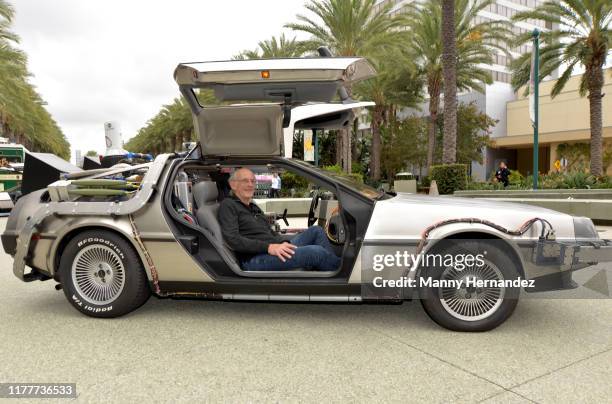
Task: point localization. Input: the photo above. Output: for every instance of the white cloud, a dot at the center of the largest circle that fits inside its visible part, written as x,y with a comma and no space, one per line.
95,61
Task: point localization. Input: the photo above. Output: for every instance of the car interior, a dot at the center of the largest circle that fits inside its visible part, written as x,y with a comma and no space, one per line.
198,190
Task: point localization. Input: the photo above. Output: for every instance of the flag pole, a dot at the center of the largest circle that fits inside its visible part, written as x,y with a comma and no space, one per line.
536,94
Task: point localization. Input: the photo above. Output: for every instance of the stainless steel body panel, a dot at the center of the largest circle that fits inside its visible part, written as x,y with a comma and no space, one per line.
41,211
397,221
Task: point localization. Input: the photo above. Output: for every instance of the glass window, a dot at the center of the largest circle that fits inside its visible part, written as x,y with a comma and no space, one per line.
363,189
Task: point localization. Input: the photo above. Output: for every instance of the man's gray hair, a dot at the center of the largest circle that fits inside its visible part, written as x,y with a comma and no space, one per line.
233,175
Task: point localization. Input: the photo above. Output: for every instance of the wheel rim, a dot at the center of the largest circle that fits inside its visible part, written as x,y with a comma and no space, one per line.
471,303
98,274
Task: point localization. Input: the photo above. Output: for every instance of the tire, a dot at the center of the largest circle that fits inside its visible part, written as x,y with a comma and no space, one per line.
102,275
471,309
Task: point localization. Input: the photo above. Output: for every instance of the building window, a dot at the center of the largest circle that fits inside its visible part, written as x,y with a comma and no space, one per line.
501,76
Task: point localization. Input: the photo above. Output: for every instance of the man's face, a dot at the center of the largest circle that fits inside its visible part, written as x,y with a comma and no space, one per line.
502,165
243,184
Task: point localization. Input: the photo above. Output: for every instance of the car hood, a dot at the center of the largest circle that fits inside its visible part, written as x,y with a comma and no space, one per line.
407,215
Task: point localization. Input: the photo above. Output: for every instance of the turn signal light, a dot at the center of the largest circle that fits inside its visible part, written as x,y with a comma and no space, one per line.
265,74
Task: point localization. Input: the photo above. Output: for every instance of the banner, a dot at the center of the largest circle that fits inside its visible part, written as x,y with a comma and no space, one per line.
308,146
532,84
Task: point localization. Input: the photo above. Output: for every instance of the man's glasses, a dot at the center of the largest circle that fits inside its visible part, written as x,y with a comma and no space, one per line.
247,181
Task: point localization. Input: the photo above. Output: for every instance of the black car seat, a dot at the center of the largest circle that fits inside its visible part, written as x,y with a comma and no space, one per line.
205,195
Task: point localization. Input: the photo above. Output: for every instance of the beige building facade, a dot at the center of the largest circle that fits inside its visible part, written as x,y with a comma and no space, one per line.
564,119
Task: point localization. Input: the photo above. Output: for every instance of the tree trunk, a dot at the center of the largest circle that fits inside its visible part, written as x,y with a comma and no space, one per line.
449,69
377,118
595,83
178,142
339,142
347,135
173,144
355,139
347,150
434,103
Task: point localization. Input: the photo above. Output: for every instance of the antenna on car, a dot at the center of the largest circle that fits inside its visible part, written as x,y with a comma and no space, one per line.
324,52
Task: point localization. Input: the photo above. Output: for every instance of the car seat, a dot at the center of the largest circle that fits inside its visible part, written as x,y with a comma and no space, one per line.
205,195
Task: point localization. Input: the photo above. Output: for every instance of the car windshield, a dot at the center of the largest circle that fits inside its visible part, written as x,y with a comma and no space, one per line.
361,188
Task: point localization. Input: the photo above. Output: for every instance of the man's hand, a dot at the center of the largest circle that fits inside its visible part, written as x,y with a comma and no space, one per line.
282,251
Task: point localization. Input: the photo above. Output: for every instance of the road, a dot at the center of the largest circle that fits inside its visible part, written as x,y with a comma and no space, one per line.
184,350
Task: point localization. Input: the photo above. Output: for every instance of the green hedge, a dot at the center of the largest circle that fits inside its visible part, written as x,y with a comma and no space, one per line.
336,169
449,177
567,180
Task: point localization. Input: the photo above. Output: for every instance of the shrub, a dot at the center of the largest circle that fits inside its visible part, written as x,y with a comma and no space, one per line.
603,183
357,177
449,177
334,169
579,180
290,180
516,178
357,167
484,186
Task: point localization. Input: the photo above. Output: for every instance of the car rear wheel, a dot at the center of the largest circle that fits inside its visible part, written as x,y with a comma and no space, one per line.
481,304
102,276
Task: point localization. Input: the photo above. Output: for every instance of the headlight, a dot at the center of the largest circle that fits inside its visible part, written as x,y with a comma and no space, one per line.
584,228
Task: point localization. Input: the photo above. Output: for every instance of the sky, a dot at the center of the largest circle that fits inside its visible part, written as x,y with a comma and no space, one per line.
95,61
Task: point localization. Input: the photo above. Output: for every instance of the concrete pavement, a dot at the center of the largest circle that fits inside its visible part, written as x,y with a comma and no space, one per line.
180,351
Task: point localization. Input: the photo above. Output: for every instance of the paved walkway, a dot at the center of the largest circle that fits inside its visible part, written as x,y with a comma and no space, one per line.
550,351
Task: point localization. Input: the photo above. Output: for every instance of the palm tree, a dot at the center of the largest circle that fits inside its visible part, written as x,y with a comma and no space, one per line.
349,28
169,128
282,47
398,83
449,72
476,45
581,36
7,13
23,117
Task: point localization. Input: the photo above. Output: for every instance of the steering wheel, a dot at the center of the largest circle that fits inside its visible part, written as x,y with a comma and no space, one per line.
313,207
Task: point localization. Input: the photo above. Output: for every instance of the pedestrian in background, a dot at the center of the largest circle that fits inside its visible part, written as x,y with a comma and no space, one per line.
276,186
502,174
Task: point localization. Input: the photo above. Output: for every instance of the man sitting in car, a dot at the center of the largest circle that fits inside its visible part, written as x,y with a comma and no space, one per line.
246,230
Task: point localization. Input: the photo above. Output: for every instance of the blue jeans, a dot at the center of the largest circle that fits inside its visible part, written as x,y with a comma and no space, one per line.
313,252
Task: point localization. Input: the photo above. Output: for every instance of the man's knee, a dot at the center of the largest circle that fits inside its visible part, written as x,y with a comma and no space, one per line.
317,231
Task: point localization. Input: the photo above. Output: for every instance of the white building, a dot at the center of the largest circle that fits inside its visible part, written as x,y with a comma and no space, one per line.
496,95
78,158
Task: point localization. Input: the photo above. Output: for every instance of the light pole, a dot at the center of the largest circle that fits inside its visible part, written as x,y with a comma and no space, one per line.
535,90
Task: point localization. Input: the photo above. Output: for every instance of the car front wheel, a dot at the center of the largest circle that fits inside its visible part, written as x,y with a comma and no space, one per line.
102,275
481,302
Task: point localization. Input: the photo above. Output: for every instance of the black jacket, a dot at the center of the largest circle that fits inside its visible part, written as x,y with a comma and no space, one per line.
502,175
245,228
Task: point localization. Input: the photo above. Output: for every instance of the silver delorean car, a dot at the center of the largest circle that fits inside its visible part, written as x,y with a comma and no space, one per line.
112,237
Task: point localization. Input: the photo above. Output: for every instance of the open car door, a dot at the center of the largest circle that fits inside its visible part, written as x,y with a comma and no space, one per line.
277,80
285,84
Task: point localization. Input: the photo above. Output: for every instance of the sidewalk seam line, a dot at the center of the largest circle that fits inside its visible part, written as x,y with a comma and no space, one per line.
453,365
560,368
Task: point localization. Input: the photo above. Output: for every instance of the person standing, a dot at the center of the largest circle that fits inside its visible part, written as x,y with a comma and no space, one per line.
276,186
502,174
